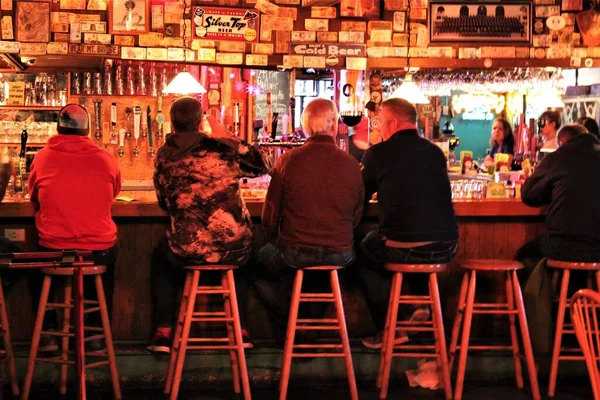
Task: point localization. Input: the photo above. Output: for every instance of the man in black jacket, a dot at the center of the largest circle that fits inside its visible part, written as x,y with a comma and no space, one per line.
416,217
568,182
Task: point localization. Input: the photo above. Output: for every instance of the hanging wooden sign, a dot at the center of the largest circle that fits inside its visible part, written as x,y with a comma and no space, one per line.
226,24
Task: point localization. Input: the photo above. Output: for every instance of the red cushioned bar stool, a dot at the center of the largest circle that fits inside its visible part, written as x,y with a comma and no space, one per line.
182,342
513,306
295,324
436,325
562,328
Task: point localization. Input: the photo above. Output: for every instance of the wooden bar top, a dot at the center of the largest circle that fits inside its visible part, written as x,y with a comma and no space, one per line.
149,208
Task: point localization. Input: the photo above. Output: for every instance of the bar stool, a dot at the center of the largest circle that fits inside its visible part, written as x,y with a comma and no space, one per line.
327,324
436,325
513,306
563,304
230,316
70,331
7,353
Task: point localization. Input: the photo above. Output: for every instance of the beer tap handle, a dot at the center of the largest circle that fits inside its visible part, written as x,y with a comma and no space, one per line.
113,124
97,119
24,136
150,137
121,150
144,124
128,112
137,114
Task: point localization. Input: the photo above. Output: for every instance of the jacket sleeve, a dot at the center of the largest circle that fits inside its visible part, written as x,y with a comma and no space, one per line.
117,178
273,203
358,210
33,185
157,184
537,189
369,174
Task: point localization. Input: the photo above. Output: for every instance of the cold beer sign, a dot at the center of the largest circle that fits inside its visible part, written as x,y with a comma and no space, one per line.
213,23
337,50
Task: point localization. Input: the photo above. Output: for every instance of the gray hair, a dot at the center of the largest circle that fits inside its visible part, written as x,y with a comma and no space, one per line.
401,108
320,117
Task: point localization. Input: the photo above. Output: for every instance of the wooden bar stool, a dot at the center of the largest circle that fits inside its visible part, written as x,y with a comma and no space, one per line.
230,316
6,354
326,324
70,331
436,325
562,328
513,306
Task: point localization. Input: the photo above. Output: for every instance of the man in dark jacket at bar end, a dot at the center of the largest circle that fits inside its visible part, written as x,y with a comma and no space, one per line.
568,182
416,217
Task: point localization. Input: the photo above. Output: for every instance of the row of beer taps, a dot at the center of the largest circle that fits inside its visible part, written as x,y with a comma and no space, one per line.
142,127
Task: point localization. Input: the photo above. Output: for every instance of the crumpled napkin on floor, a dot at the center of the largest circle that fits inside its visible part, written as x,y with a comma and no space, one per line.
427,375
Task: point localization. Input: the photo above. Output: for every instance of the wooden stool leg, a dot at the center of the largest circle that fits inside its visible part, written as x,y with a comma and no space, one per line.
65,339
466,332
237,330
460,311
535,389
598,281
177,335
440,336
337,295
514,339
387,349
290,336
36,337
14,386
560,321
185,334
383,347
235,368
110,349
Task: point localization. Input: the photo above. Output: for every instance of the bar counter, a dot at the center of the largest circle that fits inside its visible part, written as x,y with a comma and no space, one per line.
487,229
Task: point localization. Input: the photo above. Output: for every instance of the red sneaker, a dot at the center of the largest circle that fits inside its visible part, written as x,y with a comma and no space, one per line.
161,342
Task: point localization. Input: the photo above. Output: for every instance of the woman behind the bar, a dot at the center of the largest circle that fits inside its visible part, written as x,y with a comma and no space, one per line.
501,140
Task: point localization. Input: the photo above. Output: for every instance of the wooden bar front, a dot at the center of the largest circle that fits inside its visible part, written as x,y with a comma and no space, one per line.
487,229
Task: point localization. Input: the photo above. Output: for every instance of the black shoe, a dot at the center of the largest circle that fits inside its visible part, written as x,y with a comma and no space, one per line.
95,346
160,344
48,344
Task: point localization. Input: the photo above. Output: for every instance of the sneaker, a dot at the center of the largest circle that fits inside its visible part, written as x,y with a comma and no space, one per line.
375,342
247,339
161,342
420,314
48,344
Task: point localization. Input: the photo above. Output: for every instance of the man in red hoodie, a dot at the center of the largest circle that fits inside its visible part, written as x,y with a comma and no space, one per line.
72,184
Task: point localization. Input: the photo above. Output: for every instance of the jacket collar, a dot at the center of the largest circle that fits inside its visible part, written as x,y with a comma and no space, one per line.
404,132
320,139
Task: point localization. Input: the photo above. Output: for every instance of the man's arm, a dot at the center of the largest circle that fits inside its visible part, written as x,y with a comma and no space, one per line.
273,203
537,189
369,174
158,186
358,210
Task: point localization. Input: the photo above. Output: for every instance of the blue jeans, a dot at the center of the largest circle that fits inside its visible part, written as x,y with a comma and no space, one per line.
274,278
376,283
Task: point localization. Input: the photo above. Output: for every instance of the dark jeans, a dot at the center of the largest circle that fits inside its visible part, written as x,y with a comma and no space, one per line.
376,283
558,249
274,279
106,257
167,278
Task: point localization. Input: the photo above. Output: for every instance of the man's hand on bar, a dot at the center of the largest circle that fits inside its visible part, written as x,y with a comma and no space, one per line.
218,129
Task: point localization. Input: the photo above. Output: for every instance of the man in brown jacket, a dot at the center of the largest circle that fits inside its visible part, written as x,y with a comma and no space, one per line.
314,202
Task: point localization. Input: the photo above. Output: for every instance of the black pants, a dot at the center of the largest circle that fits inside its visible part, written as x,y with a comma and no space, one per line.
106,257
376,283
167,278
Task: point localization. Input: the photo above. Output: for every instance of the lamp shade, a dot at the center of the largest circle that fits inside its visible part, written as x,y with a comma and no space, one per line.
410,92
184,83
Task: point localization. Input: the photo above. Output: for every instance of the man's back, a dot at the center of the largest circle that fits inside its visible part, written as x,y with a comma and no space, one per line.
413,191
318,189
73,183
197,181
568,180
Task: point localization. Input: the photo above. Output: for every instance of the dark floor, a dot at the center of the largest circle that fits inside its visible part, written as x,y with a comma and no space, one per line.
399,390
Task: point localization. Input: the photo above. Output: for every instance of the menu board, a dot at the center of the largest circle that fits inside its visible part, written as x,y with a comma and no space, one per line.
278,83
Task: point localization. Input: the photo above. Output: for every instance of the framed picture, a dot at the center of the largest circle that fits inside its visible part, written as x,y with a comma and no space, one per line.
496,22
72,4
33,21
128,16
572,5
399,21
367,9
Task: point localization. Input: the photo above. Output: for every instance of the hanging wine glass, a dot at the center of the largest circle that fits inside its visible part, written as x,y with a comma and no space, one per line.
353,116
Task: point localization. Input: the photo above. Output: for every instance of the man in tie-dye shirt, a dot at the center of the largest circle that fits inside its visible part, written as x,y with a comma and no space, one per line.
197,182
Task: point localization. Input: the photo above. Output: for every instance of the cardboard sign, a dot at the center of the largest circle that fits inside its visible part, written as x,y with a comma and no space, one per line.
94,49
16,94
317,49
225,24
